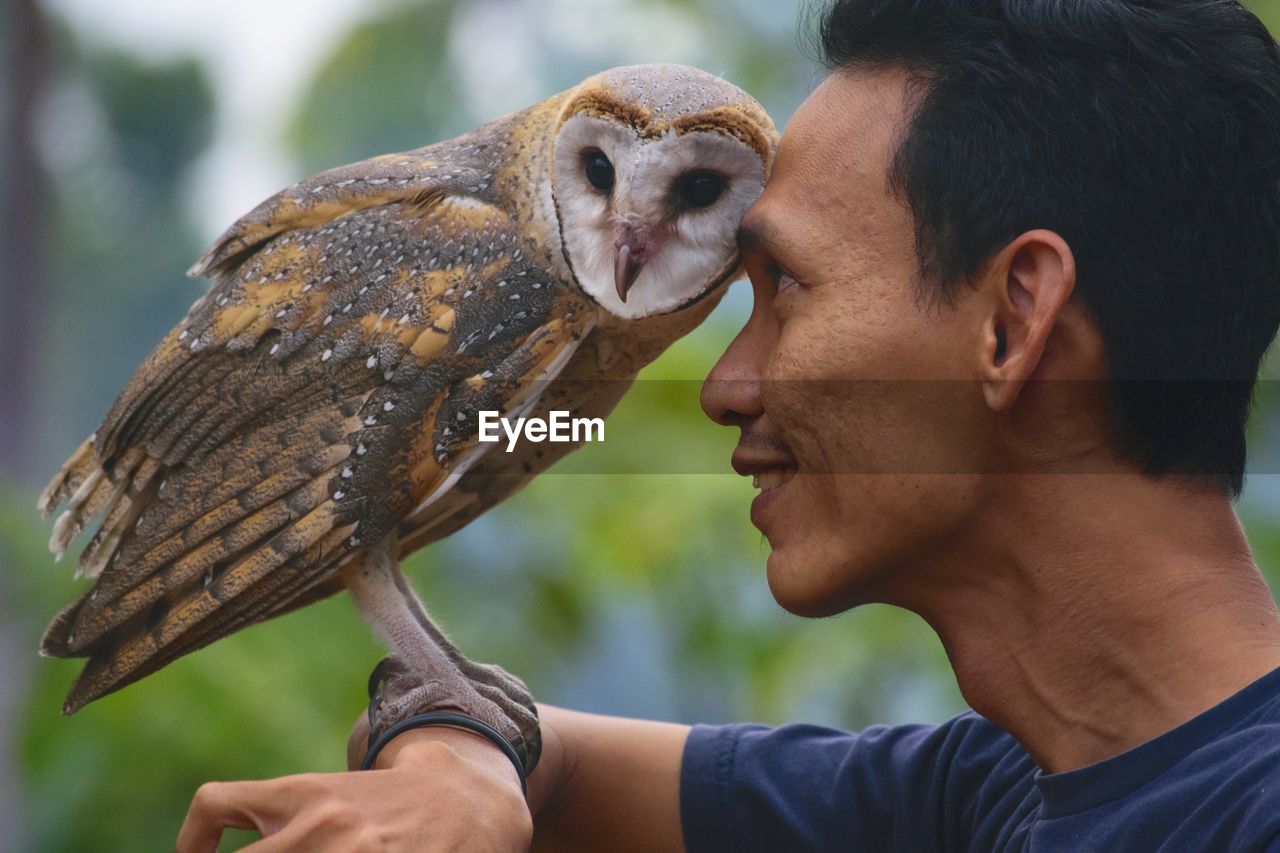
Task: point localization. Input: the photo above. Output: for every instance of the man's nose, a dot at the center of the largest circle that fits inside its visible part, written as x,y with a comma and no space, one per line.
731,391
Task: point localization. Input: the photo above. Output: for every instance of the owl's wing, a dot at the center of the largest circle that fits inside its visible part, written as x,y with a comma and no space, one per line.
325,387
413,176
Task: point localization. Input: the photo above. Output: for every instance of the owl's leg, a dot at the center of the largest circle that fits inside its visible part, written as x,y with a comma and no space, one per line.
434,675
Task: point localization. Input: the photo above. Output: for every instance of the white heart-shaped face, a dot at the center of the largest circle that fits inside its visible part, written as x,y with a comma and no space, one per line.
672,203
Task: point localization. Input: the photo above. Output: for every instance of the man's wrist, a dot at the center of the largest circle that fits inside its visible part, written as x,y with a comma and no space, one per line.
422,746
418,747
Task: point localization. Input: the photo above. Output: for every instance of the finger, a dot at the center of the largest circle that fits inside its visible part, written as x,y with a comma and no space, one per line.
217,805
329,824
293,838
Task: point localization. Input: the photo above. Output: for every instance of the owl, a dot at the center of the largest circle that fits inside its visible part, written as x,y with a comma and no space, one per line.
314,417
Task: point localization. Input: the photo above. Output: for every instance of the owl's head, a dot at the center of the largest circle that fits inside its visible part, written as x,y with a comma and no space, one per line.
653,168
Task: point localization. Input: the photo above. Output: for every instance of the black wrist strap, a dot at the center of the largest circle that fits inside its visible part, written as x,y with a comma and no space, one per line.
452,720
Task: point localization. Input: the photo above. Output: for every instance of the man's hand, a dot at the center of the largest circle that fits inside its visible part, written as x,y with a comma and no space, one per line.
603,783
432,789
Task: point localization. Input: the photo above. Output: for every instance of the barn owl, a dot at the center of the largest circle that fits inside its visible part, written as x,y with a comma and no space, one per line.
314,416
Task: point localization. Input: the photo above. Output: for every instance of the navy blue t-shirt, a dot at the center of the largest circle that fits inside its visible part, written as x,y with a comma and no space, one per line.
1212,783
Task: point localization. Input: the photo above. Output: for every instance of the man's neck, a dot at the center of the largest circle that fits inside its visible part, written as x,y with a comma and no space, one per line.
1091,613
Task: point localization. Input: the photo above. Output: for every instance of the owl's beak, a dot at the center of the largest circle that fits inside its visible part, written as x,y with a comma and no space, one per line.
626,269
636,245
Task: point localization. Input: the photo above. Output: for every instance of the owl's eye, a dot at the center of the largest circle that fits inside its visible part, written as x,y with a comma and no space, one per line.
599,171
700,188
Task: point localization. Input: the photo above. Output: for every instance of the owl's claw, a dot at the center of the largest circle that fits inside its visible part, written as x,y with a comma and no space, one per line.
483,691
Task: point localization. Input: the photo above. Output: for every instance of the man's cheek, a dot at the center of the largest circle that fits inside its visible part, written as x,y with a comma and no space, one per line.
808,509
801,344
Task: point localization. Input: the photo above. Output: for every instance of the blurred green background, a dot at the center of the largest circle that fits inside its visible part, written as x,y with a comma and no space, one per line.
133,132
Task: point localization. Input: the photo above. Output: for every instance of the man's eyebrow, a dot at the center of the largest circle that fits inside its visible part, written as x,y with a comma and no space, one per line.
753,236
760,236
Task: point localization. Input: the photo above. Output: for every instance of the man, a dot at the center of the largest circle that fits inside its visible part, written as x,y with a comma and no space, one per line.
1014,274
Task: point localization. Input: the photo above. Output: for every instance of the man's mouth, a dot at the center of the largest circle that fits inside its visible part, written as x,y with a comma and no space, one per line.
764,458
771,478
770,465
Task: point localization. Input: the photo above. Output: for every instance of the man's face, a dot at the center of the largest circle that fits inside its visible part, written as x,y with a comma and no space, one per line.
825,380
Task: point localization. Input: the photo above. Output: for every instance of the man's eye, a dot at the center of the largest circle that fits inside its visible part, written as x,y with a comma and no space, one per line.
782,280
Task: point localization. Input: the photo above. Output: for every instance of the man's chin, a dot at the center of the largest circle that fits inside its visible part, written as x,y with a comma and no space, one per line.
802,592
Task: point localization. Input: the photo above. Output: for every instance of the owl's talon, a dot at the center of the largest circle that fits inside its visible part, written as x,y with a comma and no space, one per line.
483,691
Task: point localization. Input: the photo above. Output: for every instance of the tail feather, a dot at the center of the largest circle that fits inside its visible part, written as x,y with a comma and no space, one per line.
96,492
217,503
71,522
227,522
197,616
307,578
122,510
238,542
54,642
190,553
232,487
243,471
69,477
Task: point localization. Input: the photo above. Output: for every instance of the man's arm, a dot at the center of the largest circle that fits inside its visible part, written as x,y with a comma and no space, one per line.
611,783
602,783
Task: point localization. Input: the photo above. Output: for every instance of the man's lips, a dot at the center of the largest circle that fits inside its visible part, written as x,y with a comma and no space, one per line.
769,462
772,478
765,460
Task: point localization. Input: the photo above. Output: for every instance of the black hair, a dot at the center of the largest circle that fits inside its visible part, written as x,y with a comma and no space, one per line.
1147,134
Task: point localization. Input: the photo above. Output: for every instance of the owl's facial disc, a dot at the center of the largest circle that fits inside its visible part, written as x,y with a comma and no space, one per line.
650,224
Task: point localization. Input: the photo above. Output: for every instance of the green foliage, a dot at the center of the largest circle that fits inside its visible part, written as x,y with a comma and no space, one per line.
388,87
159,118
1268,11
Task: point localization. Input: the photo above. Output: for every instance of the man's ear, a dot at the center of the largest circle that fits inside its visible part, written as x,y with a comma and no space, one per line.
1030,281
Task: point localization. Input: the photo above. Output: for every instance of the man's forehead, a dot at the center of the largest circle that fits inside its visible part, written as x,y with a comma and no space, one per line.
836,150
